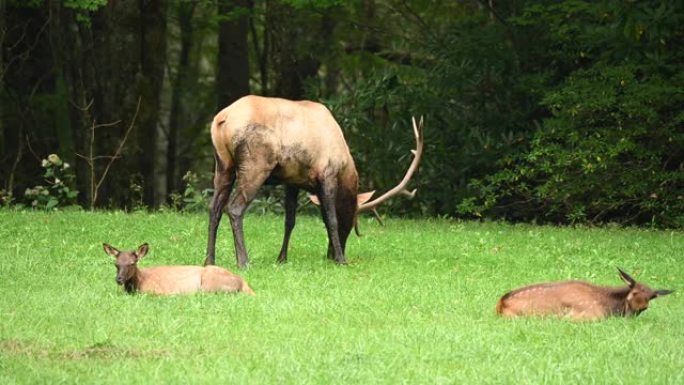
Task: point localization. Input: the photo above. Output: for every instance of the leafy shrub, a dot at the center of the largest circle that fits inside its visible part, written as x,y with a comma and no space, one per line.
59,190
478,104
135,192
6,198
193,198
612,151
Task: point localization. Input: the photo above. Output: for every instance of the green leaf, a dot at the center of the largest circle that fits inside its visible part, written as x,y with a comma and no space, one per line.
52,202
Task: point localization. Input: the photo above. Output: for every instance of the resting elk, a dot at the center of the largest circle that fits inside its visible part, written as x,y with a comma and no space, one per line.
260,140
578,300
171,279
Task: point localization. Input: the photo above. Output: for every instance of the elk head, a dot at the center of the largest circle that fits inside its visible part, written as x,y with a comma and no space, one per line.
639,295
126,261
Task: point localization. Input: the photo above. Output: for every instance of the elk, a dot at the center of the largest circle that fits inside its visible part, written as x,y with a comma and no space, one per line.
261,140
163,280
578,300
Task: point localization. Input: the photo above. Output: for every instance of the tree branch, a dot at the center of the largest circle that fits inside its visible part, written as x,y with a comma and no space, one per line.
116,154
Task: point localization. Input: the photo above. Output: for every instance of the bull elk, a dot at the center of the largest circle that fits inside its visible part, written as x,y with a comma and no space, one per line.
578,300
259,140
171,279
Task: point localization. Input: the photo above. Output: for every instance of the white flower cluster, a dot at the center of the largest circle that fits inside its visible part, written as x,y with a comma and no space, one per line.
54,160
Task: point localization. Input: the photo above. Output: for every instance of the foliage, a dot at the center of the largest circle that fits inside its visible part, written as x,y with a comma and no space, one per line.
58,191
85,5
270,200
193,198
501,91
6,198
315,4
468,82
611,152
84,8
415,305
136,188
613,147
564,112
366,116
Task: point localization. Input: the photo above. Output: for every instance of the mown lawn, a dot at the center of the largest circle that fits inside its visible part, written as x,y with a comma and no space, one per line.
415,305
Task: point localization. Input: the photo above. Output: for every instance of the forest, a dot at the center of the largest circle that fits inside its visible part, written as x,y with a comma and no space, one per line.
544,111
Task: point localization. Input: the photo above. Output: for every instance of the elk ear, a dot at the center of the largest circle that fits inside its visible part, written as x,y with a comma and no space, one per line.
625,277
360,199
142,250
660,293
110,250
364,197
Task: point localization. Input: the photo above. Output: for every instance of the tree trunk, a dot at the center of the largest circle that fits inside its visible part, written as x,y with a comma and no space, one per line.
3,148
232,79
99,69
25,76
150,80
68,60
105,76
294,54
260,45
186,11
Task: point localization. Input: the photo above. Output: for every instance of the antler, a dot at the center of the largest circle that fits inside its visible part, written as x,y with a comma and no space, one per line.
401,187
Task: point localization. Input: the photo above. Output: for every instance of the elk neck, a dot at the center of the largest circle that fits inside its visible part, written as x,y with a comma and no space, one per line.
131,285
617,297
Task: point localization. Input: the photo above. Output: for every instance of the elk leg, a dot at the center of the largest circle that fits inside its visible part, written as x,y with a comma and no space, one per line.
291,193
346,211
328,198
331,253
223,185
324,215
248,185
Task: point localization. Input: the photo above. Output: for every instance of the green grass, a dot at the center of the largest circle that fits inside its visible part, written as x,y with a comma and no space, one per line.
415,305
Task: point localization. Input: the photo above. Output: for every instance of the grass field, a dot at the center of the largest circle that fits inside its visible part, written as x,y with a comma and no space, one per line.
414,306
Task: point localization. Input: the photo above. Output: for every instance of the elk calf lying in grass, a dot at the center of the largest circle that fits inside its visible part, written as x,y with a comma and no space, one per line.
578,300
171,279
